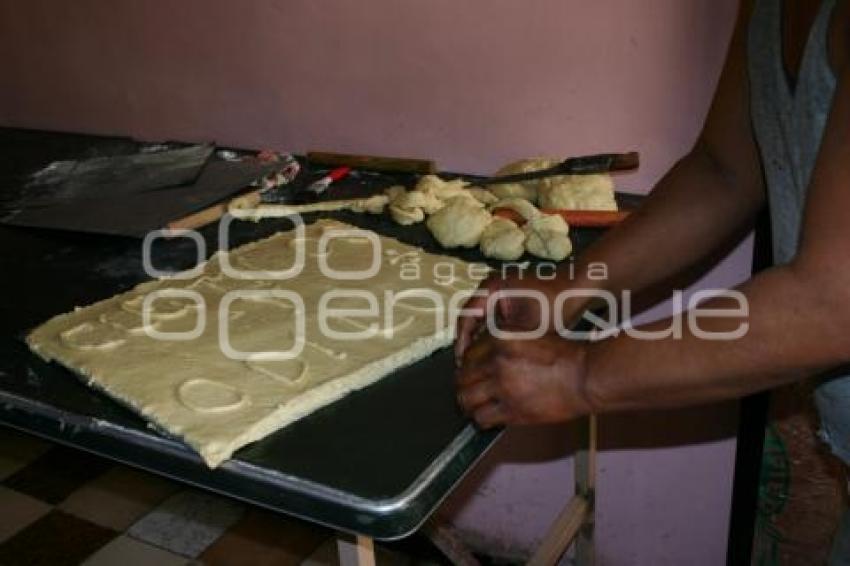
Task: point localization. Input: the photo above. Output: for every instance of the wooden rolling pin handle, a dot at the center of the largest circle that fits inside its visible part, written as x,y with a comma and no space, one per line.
372,162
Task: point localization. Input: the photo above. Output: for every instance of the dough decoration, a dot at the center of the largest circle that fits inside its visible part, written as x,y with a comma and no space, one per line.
206,396
502,239
546,237
93,336
248,211
128,322
218,404
457,214
288,372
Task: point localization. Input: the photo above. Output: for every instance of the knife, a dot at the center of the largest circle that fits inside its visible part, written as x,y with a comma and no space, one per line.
585,165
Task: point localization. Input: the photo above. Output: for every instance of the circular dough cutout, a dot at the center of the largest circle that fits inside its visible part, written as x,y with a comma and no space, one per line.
207,396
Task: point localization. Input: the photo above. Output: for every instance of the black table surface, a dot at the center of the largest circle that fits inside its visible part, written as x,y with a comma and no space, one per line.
377,462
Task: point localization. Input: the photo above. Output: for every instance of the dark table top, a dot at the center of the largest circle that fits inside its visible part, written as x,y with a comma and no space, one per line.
377,462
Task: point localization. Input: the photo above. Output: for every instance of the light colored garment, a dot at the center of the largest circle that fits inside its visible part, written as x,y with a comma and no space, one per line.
789,123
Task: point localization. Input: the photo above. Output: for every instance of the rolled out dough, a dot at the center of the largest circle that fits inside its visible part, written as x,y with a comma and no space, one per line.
218,404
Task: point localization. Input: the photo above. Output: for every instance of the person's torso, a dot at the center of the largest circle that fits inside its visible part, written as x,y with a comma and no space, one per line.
788,120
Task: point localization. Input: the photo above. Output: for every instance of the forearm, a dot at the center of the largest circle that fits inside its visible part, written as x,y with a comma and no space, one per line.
796,327
705,200
693,211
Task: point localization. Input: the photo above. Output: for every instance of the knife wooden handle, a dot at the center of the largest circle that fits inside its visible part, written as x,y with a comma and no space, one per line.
626,161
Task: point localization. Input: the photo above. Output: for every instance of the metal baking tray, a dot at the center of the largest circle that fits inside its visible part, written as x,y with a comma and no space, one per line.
377,462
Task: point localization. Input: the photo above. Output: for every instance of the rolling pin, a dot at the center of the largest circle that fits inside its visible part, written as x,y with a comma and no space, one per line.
372,162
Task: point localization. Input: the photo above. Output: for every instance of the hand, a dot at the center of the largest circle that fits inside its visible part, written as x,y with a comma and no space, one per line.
502,382
520,313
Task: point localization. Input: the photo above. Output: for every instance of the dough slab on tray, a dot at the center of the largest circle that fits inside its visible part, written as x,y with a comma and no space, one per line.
162,349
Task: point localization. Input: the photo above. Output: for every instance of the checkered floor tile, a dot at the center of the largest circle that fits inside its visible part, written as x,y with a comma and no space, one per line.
65,507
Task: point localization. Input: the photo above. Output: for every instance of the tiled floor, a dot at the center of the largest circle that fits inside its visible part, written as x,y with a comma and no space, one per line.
60,506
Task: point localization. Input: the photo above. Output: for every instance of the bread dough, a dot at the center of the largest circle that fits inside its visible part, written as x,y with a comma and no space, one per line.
502,239
571,192
217,403
373,205
482,195
578,192
460,223
394,192
430,195
435,186
546,237
528,189
406,216
428,202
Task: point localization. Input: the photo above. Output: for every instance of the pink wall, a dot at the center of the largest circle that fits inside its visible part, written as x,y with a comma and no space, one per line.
472,84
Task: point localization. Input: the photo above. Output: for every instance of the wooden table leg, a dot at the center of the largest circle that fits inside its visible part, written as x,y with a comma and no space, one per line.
575,521
355,551
585,473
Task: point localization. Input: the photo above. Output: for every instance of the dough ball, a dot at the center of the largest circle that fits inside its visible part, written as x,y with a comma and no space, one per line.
410,207
578,192
546,237
514,190
405,216
459,224
521,206
502,239
433,185
527,190
465,198
394,192
482,195
428,202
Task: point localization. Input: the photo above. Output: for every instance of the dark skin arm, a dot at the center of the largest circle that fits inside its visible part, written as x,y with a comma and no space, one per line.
798,320
707,198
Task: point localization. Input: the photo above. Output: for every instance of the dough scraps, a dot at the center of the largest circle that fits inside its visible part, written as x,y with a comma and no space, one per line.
157,348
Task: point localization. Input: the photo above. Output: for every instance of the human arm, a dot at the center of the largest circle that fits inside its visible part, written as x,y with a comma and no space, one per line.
798,320
707,197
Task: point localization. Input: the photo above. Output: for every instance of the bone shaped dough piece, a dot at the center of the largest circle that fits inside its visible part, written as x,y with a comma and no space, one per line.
521,206
373,205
